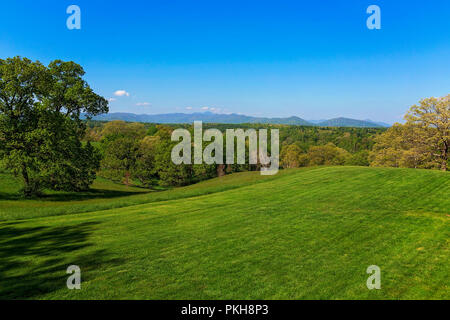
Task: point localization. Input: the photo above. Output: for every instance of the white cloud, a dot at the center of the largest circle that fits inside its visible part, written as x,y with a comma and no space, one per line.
212,109
188,108
143,103
121,93
112,99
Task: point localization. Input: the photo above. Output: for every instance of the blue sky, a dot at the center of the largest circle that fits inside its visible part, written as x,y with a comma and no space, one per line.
313,59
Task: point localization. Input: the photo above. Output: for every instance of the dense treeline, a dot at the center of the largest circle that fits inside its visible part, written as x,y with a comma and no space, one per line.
422,142
140,153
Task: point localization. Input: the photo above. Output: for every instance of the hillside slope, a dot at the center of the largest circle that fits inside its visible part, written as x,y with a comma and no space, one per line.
307,234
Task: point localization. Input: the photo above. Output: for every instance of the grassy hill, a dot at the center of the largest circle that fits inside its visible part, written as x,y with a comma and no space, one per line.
302,234
105,194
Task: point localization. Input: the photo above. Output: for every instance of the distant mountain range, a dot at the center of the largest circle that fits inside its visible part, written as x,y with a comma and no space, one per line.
209,117
347,122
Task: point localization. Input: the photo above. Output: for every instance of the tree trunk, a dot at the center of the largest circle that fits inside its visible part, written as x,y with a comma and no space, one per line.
26,181
127,178
444,164
444,157
220,170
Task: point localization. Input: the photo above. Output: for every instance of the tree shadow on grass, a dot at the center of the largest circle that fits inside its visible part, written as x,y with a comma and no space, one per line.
34,260
73,196
91,194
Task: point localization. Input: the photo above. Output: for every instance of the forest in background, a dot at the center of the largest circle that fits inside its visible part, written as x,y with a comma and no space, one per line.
140,153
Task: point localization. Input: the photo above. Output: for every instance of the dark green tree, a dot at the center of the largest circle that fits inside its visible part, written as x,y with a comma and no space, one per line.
169,173
121,144
41,127
145,164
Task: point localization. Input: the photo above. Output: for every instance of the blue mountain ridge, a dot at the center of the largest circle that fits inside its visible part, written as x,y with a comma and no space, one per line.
233,118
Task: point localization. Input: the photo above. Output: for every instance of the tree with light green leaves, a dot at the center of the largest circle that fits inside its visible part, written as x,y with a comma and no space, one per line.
41,126
290,156
433,114
327,155
422,142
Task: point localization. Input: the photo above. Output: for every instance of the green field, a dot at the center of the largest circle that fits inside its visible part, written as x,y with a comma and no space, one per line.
302,234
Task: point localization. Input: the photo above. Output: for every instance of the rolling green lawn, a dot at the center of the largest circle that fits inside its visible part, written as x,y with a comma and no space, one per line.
106,195
302,234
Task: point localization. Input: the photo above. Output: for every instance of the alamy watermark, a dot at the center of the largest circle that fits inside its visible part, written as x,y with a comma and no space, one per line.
74,281
374,20
213,152
374,280
74,20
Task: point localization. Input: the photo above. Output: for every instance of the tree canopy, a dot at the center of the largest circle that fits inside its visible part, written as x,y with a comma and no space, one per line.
432,115
40,125
422,142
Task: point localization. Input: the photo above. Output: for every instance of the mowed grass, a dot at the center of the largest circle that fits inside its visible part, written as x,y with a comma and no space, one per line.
303,234
106,194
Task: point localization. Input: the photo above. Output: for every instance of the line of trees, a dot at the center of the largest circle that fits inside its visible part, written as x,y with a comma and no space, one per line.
135,153
293,156
421,142
138,153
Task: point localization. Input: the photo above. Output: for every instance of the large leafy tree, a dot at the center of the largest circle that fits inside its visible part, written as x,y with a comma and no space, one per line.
41,126
433,114
121,144
327,155
403,146
291,156
422,142
170,174
145,163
